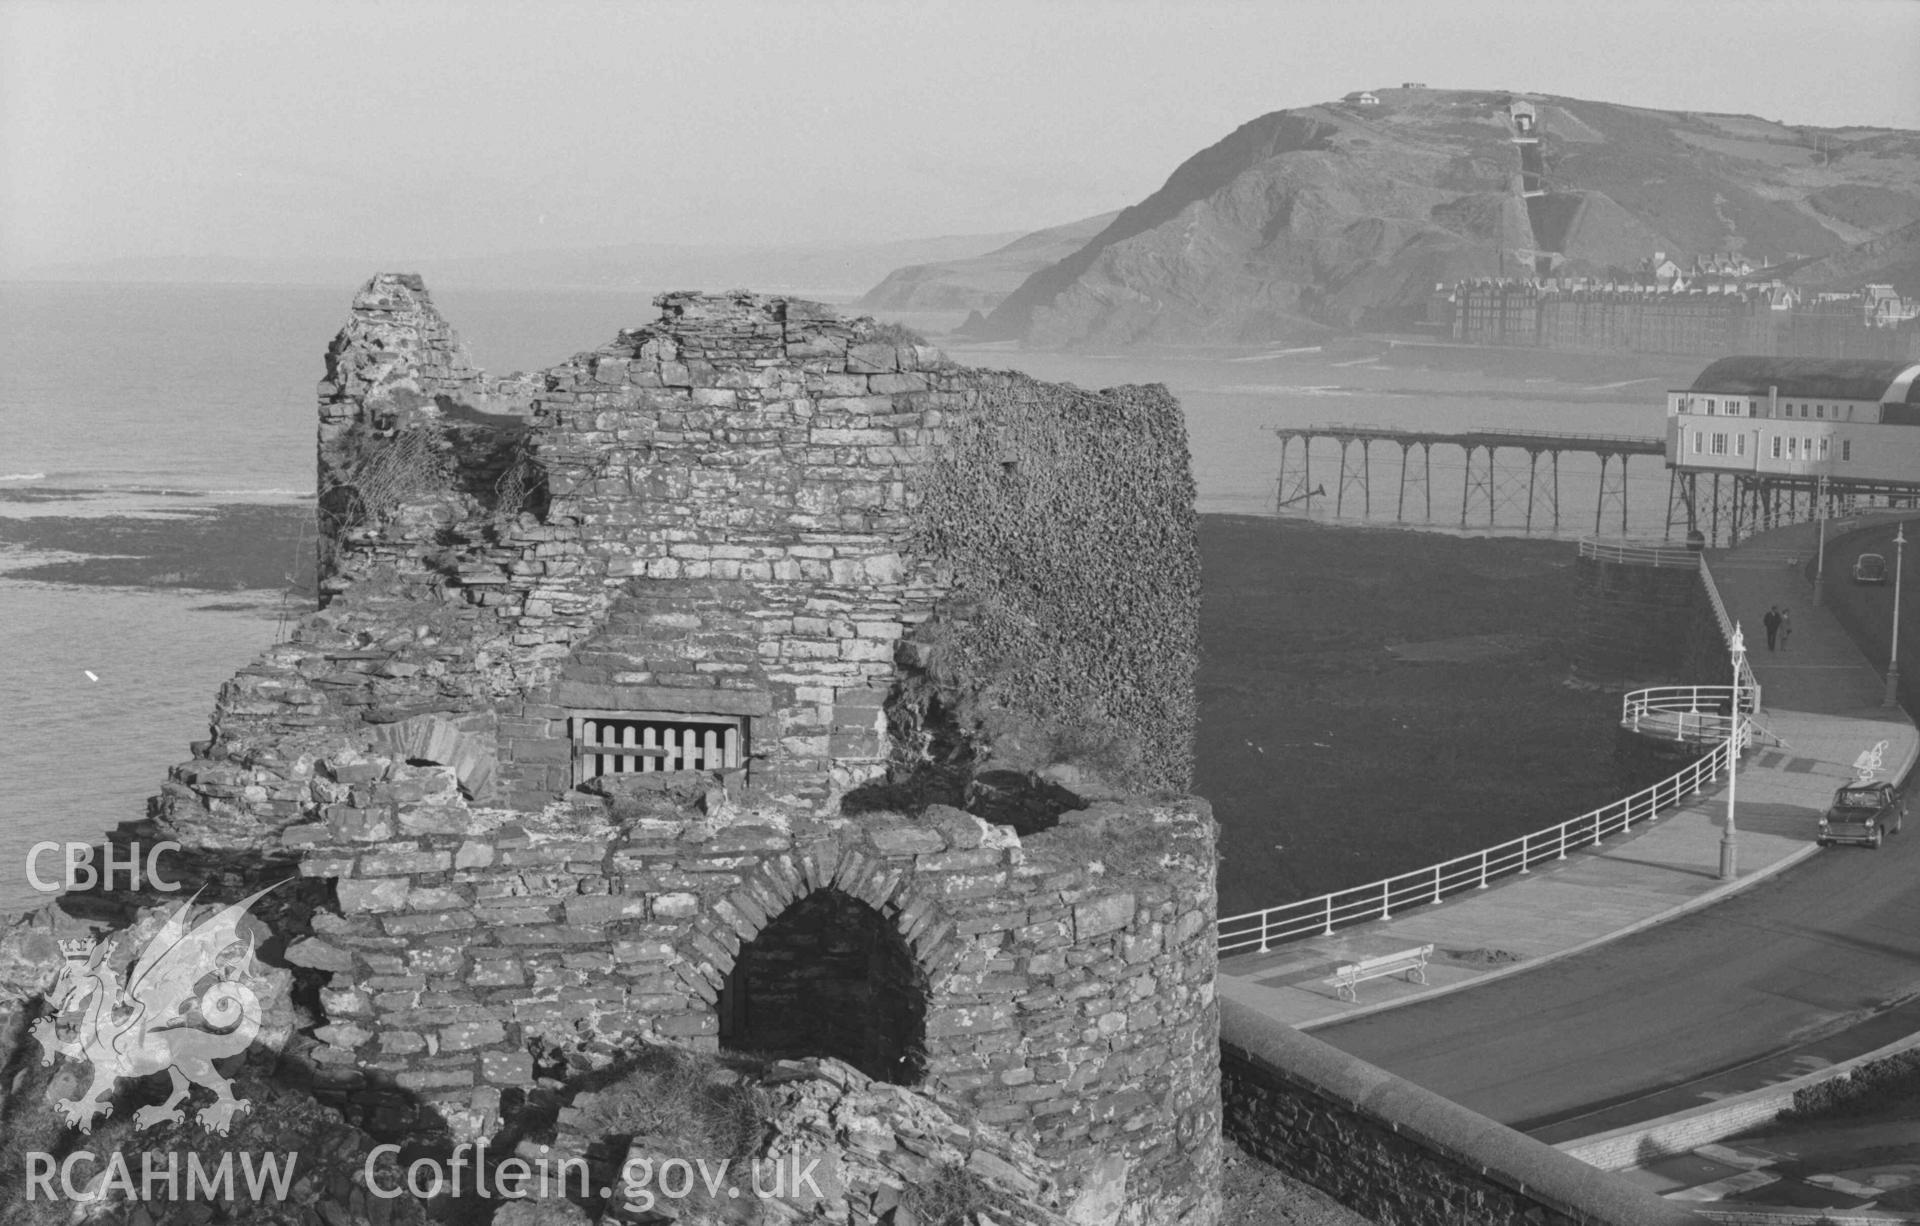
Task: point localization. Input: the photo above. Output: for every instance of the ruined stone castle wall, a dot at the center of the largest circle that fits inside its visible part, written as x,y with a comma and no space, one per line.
742,511
885,569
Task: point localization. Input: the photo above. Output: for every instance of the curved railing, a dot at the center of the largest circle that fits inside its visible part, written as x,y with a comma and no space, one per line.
1260,930
1675,700
1635,553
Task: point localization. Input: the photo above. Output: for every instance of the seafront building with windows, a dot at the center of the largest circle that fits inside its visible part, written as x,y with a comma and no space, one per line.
1757,442
1810,417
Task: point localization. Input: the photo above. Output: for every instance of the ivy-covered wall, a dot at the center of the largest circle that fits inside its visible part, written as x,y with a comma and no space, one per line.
1067,520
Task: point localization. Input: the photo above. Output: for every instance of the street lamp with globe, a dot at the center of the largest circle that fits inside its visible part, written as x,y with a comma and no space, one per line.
1729,852
1893,651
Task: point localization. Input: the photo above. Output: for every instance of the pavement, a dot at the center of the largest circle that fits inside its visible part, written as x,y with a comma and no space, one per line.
1821,710
1844,1171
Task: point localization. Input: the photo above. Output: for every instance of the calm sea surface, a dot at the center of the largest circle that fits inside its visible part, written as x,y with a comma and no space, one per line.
130,390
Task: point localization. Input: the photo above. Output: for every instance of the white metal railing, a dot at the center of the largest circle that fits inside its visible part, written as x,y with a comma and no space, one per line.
1260,930
1667,702
1747,680
1639,553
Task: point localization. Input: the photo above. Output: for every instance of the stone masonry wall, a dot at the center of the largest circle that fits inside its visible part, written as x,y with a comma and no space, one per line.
872,559
1069,984
746,510
741,511
1401,1155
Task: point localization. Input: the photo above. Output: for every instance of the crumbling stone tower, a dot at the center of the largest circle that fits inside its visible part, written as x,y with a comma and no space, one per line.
738,515
759,680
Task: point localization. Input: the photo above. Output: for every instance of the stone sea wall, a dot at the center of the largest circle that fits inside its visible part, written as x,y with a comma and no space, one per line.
1401,1155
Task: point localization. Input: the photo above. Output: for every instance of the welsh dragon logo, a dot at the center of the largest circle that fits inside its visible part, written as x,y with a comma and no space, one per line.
186,1003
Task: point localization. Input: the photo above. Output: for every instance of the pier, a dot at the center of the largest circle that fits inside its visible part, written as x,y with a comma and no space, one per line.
1502,470
1725,508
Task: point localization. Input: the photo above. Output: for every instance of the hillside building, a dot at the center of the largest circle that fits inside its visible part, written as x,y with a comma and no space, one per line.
1881,307
1663,270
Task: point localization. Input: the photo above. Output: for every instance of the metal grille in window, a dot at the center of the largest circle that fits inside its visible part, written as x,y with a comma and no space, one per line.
639,743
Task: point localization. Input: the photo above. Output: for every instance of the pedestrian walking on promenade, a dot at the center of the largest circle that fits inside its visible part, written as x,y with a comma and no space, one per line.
1772,622
1786,628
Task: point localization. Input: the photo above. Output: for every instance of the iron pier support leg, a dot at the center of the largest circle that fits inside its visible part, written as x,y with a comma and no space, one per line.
1280,486
1533,471
1492,476
1426,451
1366,478
1340,496
1623,494
1556,491
1600,504
1400,506
1466,483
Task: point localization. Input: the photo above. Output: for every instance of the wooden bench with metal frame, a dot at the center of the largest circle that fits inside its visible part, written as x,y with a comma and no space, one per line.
1411,961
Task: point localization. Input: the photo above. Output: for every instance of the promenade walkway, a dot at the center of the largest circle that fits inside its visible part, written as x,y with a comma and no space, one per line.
1821,703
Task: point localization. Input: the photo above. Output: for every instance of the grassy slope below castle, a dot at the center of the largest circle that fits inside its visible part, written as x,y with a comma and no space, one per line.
1330,761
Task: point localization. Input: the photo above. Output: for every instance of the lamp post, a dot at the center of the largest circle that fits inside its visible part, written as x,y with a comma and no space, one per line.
1729,854
1893,651
1820,565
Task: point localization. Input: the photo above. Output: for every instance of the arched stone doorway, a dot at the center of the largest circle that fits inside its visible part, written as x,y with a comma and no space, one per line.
829,976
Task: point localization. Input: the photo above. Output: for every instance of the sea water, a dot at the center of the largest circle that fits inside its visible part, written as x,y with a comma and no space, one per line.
207,391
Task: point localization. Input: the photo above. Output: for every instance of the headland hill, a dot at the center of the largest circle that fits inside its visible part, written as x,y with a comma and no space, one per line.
1308,223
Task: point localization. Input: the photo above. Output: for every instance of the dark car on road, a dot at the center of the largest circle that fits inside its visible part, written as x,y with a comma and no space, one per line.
1870,568
1863,813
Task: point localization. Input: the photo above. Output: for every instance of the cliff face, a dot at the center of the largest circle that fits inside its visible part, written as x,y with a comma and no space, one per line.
1343,215
983,281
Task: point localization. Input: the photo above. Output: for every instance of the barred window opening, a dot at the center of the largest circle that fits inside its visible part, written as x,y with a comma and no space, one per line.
629,743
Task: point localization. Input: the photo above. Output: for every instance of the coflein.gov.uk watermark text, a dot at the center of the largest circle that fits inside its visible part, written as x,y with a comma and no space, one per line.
167,1175
643,1182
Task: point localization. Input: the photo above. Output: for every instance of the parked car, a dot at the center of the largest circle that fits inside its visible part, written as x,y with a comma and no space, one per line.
1870,568
1863,813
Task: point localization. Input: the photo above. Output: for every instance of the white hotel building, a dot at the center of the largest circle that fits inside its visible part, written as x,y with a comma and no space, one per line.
1794,420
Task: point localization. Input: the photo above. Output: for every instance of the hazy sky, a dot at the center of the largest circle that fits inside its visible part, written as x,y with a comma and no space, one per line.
409,129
